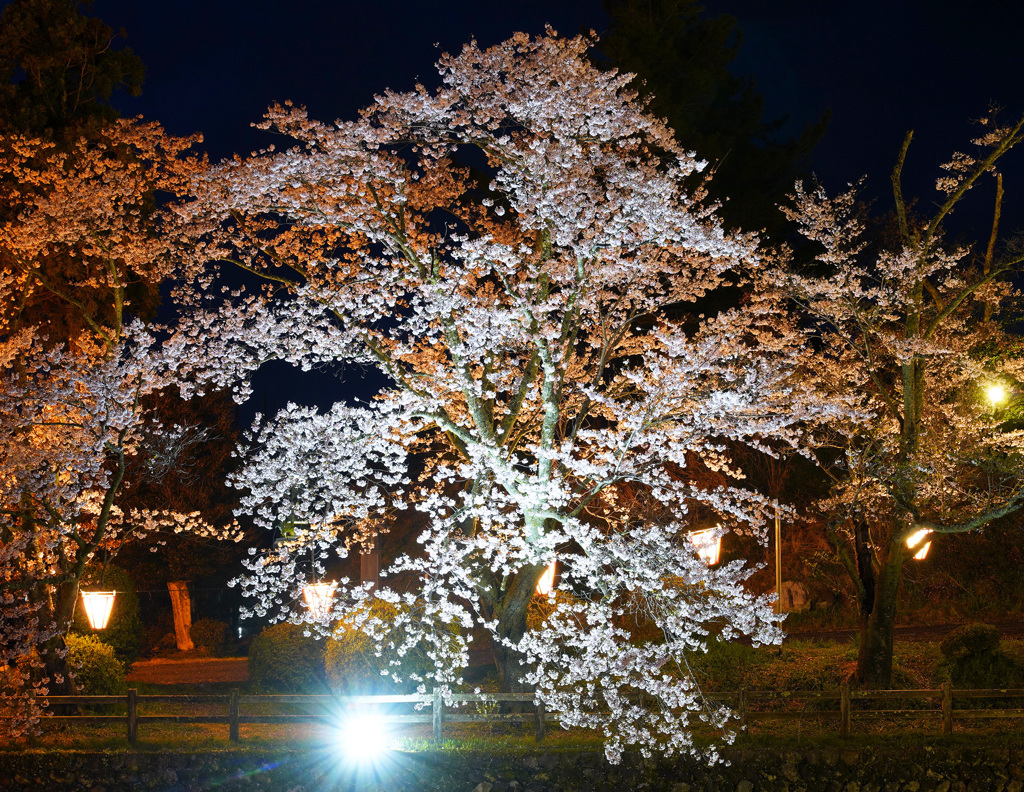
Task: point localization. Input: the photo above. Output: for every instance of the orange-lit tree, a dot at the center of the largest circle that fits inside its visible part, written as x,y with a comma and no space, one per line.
82,233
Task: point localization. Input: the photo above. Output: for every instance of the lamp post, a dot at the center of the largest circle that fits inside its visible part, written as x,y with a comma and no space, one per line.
708,543
547,580
318,597
98,606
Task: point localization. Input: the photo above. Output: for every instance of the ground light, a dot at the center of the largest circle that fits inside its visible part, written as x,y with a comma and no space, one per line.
98,605
364,738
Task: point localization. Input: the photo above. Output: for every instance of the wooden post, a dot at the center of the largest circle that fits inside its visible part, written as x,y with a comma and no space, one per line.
539,735
947,708
133,715
438,713
741,707
233,715
844,709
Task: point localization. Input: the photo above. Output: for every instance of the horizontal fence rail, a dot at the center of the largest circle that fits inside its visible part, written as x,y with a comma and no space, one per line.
747,705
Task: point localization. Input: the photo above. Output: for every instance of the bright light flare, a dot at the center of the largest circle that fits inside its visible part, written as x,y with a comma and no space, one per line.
547,580
365,737
996,393
708,543
914,538
318,597
98,605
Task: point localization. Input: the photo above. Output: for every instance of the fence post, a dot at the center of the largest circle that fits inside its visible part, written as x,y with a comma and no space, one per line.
947,708
233,715
438,712
133,715
742,708
539,734
844,709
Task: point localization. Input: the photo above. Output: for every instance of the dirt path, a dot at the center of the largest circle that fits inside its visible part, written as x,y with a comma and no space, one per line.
189,671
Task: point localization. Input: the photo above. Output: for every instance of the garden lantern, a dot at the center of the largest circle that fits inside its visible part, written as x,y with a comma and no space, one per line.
98,605
547,580
708,543
914,538
996,393
318,598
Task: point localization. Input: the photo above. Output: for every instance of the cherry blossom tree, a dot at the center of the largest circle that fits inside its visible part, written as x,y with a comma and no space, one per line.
517,254
82,234
911,325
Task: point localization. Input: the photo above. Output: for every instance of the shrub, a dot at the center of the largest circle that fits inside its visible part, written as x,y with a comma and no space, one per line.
95,666
354,667
209,634
973,659
124,631
282,659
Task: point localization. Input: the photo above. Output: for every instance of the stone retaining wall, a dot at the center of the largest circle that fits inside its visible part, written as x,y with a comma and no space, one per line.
930,769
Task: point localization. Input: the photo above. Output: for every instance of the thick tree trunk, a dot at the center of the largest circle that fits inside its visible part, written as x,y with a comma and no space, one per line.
878,617
182,608
52,652
511,617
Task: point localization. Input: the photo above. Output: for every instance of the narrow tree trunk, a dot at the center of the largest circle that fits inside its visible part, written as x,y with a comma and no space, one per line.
52,652
874,661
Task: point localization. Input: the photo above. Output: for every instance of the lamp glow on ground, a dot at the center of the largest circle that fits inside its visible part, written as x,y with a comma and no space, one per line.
547,580
98,606
914,539
708,543
318,597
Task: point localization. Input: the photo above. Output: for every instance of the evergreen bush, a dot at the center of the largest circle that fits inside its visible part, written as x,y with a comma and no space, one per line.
96,668
209,634
354,667
282,659
974,659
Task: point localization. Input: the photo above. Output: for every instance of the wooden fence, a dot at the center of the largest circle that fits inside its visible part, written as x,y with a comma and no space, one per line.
748,706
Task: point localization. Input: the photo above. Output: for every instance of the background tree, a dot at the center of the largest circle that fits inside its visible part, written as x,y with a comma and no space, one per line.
523,322
910,324
59,68
72,414
682,59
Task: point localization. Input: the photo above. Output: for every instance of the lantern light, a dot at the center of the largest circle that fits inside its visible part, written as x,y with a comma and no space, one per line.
996,393
318,598
708,543
547,580
98,605
915,538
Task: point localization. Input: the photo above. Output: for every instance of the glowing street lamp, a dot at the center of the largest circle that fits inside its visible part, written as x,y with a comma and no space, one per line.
98,605
996,393
318,597
915,538
708,543
547,580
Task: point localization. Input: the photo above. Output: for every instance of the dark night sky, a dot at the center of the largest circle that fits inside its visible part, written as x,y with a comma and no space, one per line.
882,66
